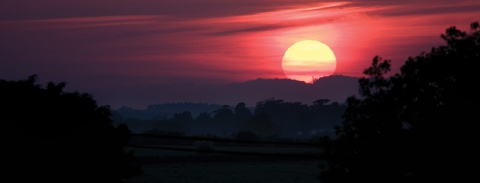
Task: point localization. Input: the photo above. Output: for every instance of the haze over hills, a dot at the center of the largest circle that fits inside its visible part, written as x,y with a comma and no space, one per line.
336,88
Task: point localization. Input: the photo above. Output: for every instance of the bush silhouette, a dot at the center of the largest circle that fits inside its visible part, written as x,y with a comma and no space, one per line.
56,136
415,125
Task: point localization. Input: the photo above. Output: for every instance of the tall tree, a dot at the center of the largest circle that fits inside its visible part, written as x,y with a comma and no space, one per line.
223,120
415,125
242,113
56,136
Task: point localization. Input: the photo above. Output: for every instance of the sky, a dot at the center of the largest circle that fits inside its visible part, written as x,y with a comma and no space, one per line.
102,46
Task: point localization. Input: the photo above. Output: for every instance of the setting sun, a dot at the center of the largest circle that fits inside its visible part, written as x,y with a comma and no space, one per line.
307,60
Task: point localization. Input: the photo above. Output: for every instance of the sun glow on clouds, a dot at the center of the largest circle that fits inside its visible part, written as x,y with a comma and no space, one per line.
234,47
266,35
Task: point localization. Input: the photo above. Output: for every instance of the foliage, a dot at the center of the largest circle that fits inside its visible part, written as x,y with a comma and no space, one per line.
271,118
58,136
411,126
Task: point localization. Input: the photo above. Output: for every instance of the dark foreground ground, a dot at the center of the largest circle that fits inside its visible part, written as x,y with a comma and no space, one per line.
172,166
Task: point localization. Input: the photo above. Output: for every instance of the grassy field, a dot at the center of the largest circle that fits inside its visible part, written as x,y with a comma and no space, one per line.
166,166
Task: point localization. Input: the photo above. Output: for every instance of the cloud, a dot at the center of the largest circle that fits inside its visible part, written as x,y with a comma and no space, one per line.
416,8
47,9
94,44
286,17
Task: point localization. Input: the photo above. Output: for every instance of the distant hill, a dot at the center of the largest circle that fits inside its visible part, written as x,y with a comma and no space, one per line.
336,88
208,98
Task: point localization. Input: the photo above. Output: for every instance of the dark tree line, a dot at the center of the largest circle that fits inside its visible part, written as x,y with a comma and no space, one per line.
54,136
417,125
163,111
271,118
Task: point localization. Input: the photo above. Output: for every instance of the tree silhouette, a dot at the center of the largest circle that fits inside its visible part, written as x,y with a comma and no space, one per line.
222,119
242,113
415,125
223,114
56,136
325,116
262,126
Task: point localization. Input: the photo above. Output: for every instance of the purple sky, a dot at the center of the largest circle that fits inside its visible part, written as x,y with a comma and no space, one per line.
100,46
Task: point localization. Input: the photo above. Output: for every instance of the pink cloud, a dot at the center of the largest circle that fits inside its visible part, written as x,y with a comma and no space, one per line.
239,41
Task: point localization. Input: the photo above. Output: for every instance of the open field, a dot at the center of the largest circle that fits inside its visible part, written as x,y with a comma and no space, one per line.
165,166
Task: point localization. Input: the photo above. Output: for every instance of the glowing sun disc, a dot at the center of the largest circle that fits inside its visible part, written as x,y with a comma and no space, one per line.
308,60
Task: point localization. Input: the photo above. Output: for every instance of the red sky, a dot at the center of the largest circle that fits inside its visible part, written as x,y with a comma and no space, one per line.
102,44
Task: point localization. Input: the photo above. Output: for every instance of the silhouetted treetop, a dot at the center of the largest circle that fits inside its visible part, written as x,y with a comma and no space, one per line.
59,136
415,125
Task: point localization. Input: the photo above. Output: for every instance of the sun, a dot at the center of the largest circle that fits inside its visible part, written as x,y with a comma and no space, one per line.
308,60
